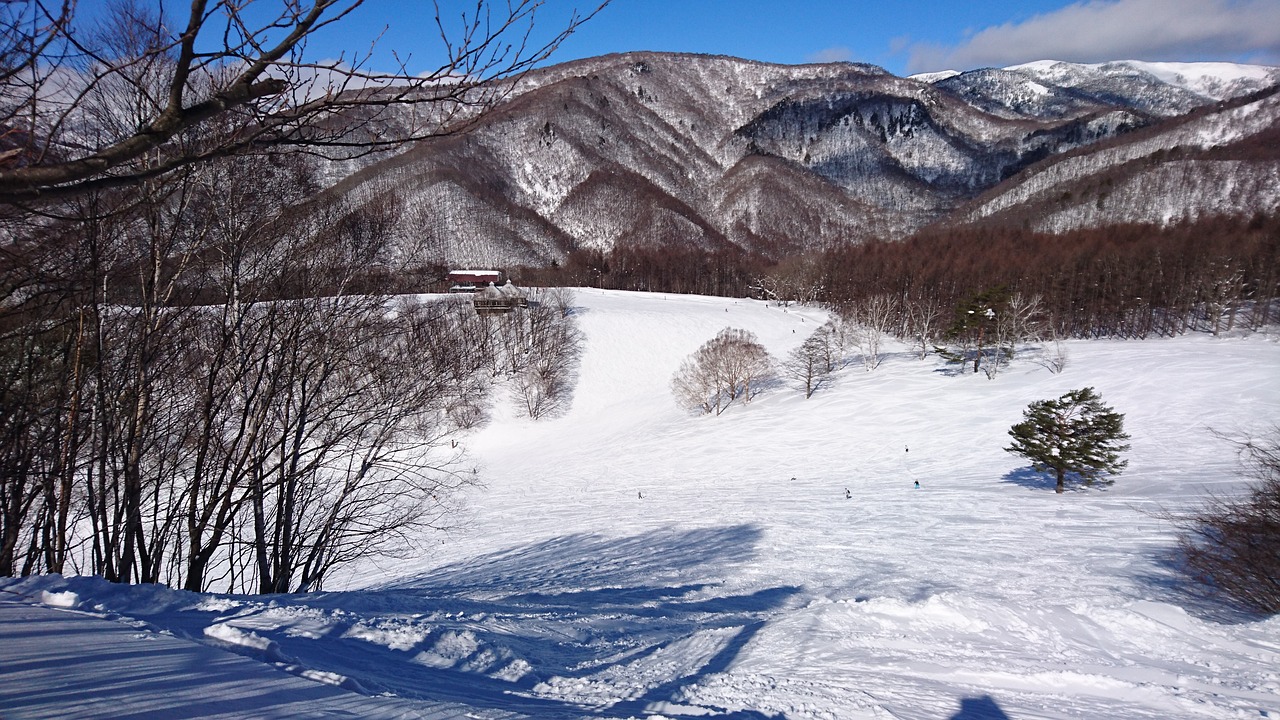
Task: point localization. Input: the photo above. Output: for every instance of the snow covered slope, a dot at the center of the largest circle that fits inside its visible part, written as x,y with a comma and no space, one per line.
1213,80
645,149
628,560
1220,162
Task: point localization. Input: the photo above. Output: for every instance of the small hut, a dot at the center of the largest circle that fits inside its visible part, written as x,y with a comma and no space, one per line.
514,295
498,300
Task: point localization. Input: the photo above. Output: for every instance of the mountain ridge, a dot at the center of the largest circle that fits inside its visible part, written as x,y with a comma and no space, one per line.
702,151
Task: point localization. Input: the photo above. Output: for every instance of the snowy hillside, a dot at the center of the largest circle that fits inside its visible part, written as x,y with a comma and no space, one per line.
628,560
650,149
1214,80
1189,171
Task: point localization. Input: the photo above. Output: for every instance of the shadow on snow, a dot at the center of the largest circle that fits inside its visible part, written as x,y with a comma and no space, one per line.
983,708
1173,584
1032,479
508,630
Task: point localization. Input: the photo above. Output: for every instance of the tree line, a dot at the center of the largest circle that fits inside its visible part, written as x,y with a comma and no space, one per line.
200,386
1128,281
198,390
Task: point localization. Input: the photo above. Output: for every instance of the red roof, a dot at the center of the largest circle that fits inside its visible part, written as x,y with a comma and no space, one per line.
474,276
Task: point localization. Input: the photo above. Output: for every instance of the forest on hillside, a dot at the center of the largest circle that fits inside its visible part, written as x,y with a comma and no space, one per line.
1127,281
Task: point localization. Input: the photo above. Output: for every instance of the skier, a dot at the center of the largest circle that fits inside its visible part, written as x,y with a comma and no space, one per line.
917,484
847,495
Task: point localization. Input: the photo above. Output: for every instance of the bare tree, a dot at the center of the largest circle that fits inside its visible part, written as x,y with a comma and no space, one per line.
1232,544
1053,354
88,103
1223,294
544,384
172,385
795,280
811,364
1021,318
731,366
922,314
355,460
560,298
198,383
871,319
695,388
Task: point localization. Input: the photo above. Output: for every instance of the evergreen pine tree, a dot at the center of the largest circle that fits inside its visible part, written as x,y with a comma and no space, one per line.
1076,434
974,326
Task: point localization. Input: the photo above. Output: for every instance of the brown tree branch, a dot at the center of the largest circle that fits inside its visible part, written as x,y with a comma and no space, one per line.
267,98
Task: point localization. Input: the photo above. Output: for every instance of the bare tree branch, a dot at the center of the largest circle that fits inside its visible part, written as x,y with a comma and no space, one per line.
255,91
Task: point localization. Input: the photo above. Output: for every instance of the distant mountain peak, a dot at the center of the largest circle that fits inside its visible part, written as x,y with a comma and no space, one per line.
1213,80
933,77
650,149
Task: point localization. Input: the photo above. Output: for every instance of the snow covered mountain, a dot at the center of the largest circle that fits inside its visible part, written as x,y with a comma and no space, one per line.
1131,79
1059,89
651,149
1220,162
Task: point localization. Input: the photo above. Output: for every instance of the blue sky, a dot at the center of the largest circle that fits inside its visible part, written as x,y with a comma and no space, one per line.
903,37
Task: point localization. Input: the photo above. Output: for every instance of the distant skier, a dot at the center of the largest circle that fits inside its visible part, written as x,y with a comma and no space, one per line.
917,484
847,495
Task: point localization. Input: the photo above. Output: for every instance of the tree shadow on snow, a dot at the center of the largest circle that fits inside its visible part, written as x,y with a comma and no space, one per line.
1029,478
951,369
983,708
1172,584
1032,479
549,629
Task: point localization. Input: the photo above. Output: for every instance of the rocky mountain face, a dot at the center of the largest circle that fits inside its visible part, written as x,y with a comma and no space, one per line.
650,149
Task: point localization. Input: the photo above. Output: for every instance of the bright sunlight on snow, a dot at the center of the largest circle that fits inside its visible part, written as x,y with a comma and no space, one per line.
629,560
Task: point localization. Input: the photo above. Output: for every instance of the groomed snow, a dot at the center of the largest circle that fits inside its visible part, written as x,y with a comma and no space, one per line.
631,560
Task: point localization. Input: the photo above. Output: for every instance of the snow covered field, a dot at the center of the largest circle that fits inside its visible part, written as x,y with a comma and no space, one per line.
630,560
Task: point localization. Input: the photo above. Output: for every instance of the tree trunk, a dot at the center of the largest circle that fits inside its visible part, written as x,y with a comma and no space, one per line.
1062,475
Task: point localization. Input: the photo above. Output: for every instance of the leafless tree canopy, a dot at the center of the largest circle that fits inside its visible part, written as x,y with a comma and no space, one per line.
88,103
535,350
869,321
811,365
730,367
196,390
1125,281
200,385
1232,544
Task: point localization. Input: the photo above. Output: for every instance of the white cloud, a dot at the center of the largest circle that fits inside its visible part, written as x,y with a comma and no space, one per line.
1101,30
831,54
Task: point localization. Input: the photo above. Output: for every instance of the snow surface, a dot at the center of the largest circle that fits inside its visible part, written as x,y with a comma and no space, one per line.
1207,78
933,77
631,560
1216,80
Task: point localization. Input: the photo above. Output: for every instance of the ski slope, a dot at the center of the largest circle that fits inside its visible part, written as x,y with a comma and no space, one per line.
629,560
